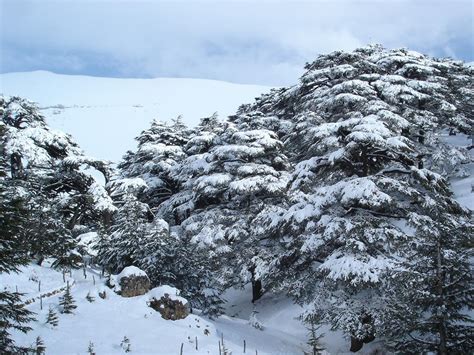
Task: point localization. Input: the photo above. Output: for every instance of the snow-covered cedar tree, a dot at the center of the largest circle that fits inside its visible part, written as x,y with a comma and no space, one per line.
223,188
122,244
48,166
161,254
13,254
159,148
362,130
431,294
137,237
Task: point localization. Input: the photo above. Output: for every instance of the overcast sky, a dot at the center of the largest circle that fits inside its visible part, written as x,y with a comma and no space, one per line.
258,41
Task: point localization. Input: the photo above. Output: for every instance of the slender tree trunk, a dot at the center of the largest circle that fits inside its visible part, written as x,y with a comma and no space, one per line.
356,344
256,290
442,350
256,286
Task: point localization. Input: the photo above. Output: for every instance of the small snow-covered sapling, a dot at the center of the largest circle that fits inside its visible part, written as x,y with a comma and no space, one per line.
254,322
90,349
125,344
52,317
67,301
90,298
40,348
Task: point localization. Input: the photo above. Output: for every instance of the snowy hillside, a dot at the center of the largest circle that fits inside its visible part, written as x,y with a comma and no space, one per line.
105,114
105,322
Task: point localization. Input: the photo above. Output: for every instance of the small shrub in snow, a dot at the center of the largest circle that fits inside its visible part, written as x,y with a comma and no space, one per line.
90,349
314,339
254,322
90,298
40,349
67,302
52,317
125,344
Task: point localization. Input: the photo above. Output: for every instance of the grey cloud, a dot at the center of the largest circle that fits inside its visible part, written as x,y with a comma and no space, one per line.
265,42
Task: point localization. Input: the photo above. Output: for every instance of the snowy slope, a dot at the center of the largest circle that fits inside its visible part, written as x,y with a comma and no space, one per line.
106,321
105,114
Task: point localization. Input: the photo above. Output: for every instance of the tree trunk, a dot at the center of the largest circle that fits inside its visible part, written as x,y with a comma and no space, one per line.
356,344
256,286
16,166
442,350
256,290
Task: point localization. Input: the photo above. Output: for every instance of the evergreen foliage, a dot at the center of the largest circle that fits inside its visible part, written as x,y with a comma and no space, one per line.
126,345
90,298
362,131
335,191
52,317
314,339
90,348
40,348
46,166
13,252
67,301
429,303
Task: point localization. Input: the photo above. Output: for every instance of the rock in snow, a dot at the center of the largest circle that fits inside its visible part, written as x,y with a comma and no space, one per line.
166,301
131,282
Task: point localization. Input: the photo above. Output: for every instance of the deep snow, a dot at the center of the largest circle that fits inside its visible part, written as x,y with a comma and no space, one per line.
105,322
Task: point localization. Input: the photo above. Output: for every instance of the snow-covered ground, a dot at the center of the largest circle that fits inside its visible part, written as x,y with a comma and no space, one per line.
105,114
105,322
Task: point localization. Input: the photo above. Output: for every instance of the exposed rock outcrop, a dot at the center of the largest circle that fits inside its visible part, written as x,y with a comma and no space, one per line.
166,300
131,282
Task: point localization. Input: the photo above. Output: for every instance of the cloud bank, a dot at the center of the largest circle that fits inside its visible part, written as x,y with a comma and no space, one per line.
261,42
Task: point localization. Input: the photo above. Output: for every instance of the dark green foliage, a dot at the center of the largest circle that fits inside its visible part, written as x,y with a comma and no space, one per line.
13,254
314,337
40,348
13,315
52,318
46,169
67,301
90,348
90,298
432,294
123,244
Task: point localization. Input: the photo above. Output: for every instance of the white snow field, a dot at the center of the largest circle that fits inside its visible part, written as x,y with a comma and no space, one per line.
105,322
104,115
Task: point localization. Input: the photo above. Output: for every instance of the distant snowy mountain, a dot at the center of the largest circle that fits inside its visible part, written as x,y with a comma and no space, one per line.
105,114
